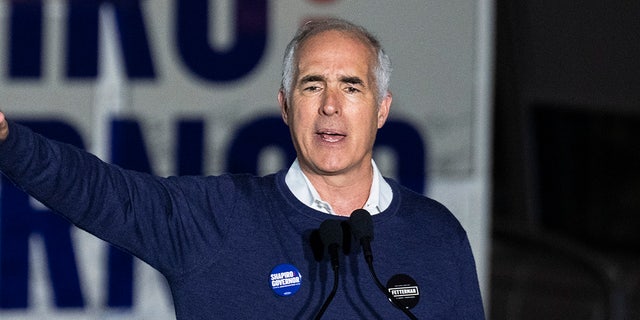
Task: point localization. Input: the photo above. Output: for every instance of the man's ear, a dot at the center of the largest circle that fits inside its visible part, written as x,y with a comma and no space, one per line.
383,109
284,108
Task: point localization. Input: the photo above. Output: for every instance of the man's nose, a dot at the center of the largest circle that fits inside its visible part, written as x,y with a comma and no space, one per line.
331,103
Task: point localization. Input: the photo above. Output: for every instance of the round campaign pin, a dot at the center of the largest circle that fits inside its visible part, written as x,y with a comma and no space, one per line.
285,280
404,289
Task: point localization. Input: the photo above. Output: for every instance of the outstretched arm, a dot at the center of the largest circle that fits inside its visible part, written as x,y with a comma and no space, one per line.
153,218
94,195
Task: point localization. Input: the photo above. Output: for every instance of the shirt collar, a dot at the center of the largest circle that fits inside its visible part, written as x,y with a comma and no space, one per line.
380,194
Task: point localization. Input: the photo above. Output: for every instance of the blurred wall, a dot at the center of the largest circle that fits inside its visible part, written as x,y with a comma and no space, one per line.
566,177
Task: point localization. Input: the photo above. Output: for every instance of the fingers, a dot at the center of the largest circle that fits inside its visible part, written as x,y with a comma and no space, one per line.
4,127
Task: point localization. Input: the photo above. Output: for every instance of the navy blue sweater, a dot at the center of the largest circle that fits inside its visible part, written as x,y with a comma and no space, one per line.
217,239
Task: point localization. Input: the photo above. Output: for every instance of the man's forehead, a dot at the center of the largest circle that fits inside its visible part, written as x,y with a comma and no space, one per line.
336,33
344,33
332,50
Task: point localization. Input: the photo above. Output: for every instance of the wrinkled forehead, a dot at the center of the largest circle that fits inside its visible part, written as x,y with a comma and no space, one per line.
352,34
328,38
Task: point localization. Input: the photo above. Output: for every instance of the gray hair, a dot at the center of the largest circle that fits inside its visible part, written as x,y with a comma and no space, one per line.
382,69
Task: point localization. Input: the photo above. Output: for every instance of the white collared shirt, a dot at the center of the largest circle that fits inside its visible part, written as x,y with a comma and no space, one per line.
380,194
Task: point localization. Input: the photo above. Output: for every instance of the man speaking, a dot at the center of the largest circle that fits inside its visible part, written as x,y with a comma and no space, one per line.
278,246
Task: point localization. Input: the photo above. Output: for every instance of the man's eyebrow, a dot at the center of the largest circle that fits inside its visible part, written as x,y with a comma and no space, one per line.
311,78
352,80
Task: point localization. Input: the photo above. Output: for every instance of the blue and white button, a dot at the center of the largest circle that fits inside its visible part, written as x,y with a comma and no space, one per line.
285,280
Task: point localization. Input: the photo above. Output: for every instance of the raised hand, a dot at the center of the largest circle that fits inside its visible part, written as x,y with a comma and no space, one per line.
4,127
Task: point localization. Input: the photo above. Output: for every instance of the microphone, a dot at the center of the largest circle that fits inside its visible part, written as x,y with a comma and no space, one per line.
331,237
362,230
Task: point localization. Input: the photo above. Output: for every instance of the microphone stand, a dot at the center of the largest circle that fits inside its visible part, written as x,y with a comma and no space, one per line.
331,236
362,228
331,294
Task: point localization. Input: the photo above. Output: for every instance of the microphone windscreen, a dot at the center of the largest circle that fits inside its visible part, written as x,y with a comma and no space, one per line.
361,224
331,232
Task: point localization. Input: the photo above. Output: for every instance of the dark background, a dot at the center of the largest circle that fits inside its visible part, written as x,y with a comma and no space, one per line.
566,171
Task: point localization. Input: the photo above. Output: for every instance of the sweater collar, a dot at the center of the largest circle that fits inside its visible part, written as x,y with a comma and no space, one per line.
380,194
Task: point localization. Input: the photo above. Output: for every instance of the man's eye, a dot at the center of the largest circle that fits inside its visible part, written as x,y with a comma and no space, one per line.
312,88
352,90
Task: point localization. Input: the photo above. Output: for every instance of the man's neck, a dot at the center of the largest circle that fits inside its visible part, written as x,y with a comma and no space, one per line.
344,193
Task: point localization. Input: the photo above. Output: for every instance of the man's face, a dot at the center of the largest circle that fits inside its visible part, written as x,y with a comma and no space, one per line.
332,111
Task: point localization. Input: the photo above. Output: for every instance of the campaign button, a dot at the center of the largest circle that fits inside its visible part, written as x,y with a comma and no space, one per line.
285,280
405,290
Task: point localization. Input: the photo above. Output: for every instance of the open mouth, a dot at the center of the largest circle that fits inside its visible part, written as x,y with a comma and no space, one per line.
330,136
